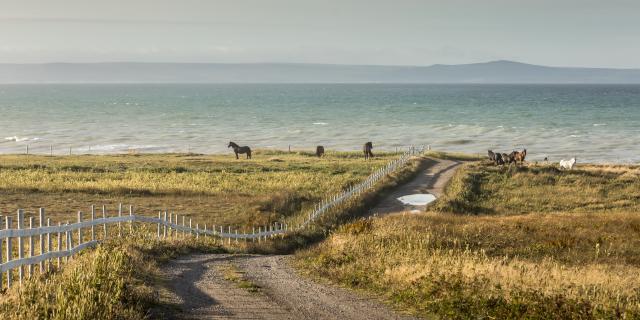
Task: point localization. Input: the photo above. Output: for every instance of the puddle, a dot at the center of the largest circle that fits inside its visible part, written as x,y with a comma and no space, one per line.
420,199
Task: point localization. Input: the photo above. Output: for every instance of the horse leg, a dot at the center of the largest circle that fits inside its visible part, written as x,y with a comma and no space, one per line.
237,156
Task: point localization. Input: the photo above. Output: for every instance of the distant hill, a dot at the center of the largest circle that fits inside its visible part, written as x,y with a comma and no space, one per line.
134,72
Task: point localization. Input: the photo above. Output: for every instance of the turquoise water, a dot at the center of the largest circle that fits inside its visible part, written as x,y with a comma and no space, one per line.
596,123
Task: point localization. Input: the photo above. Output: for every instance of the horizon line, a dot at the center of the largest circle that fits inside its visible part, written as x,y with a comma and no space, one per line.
505,61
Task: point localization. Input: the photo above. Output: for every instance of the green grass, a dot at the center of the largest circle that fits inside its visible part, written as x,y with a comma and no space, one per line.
231,273
515,243
212,189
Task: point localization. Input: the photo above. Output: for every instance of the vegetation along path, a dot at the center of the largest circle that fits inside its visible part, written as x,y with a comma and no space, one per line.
221,286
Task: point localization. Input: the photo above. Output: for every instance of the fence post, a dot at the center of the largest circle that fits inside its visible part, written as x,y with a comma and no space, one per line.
80,228
229,242
221,238
93,217
205,230
184,233
69,243
59,244
130,221
164,226
20,244
253,234
31,251
170,219
8,224
104,217
190,231
49,244
120,223
259,233
175,221
159,218
197,229
40,224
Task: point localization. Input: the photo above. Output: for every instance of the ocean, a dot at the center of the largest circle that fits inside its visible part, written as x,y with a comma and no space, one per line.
595,123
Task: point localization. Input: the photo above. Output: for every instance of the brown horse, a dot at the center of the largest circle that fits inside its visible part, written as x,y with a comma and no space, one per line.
240,150
367,150
319,151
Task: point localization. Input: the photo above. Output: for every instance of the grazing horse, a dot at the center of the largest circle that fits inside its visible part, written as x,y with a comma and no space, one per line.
567,164
319,151
508,158
520,155
492,156
367,150
499,161
239,150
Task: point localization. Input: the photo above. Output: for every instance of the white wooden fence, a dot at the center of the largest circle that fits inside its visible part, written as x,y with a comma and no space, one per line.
41,253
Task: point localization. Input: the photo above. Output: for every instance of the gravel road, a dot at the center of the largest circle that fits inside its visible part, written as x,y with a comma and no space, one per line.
198,286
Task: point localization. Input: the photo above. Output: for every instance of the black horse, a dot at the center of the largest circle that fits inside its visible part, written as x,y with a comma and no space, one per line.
492,156
239,150
367,150
499,161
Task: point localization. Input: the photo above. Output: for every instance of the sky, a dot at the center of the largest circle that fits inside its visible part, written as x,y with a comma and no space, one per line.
586,33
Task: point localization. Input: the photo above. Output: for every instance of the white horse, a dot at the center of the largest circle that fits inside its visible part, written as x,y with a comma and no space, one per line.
567,164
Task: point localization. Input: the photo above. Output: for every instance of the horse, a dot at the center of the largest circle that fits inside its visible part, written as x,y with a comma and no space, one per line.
519,156
319,151
239,150
508,158
499,161
367,150
492,156
567,164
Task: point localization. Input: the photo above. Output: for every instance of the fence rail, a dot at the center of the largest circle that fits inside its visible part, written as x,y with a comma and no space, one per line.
166,224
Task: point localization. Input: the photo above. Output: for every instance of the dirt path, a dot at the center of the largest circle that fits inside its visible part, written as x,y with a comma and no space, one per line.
432,179
216,286
200,288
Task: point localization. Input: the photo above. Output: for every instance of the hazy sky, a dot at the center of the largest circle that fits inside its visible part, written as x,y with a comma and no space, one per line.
594,33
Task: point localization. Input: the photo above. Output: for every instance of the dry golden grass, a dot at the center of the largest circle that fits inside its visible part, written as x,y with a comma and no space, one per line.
212,189
120,279
536,189
580,262
114,281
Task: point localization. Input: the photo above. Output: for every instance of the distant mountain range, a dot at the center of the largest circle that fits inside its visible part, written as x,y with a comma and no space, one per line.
135,72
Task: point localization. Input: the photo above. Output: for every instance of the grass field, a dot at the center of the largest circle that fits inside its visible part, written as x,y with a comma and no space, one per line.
117,280
529,242
212,189
120,279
